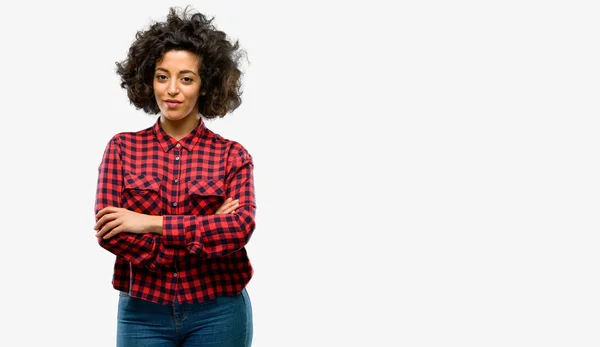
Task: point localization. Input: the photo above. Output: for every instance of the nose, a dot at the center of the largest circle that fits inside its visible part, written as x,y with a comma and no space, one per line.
172,90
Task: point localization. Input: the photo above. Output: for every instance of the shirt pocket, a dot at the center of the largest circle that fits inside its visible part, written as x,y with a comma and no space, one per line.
142,193
206,196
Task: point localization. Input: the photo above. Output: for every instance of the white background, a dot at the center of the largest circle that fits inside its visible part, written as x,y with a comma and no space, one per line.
426,172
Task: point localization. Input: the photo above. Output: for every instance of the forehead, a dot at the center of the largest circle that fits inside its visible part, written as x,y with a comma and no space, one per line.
179,60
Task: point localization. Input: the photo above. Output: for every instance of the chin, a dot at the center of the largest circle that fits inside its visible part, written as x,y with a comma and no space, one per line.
174,117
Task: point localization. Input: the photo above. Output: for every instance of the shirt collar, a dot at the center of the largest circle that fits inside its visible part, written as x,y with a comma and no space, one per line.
188,142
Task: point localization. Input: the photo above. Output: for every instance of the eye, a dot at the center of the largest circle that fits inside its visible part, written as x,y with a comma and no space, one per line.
161,77
188,79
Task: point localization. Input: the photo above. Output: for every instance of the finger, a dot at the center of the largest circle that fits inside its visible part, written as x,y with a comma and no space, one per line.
232,210
107,209
105,219
102,212
227,210
230,207
225,205
113,232
231,203
228,200
107,227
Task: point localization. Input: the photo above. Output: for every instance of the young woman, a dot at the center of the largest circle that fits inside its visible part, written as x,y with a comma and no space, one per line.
175,202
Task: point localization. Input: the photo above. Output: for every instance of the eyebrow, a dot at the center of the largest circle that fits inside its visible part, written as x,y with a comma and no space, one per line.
180,72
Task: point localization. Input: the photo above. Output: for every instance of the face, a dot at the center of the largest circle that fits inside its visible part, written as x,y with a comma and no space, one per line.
177,85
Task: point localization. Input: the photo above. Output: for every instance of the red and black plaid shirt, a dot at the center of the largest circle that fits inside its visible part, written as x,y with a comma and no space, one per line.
201,254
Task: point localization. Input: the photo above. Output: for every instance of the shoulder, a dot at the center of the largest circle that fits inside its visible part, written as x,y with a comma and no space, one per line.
126,138
235,150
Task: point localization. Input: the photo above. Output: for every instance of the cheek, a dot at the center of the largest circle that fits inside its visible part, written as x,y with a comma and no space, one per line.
191,97
156,89
194,96
158,92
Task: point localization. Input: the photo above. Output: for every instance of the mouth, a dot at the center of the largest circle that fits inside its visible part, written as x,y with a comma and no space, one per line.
172,103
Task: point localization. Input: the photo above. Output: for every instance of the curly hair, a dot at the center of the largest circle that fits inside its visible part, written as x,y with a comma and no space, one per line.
221,88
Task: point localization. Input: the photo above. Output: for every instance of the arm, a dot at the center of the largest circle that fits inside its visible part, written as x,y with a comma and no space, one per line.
218,234
137,248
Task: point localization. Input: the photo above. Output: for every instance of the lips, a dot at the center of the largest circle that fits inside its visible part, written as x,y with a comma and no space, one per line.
172,103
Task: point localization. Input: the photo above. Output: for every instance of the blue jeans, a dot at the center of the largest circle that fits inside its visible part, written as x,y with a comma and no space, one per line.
223,322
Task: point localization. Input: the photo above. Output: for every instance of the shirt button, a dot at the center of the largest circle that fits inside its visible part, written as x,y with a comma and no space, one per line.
176,180
175,274
176,158
178,145
174,204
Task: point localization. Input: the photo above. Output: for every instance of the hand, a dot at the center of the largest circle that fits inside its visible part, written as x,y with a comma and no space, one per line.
229,206
113,220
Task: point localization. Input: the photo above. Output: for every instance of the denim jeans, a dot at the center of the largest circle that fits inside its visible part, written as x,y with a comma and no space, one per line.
222,322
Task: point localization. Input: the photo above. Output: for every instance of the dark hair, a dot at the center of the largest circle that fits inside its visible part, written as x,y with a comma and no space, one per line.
193,32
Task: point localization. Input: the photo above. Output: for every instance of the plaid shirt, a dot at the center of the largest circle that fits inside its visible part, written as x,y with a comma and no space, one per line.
201,254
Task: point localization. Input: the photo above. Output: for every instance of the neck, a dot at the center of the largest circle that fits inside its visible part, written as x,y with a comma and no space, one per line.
179,129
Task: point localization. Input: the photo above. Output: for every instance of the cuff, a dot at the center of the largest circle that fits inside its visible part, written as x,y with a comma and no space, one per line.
173,229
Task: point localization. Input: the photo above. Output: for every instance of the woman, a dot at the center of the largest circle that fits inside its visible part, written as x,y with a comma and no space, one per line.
175,202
